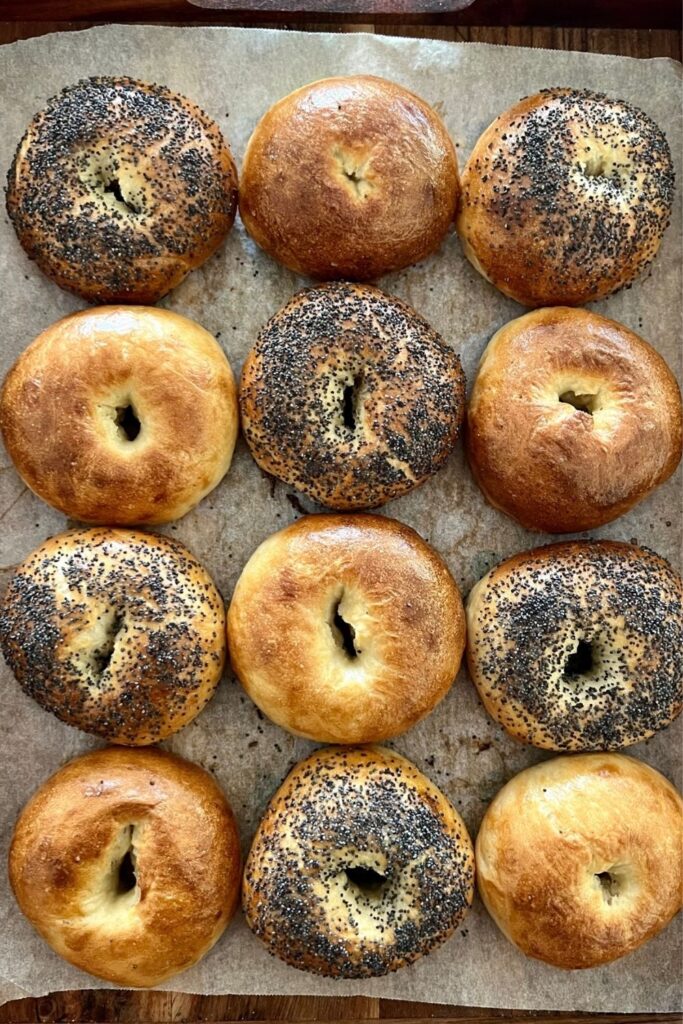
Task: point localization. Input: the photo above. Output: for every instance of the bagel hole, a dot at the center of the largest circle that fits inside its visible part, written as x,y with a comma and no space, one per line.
102,655
344,633
594,166
369,881
582,403
581,662
113,187
350,396
354,172
127,422
126,878
609,885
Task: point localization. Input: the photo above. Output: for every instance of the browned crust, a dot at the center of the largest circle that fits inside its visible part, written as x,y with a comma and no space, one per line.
391,208
552,467
346,807
344,344
187,863
58,410
118,633
553,829
565,197
527,617
173,167
399,598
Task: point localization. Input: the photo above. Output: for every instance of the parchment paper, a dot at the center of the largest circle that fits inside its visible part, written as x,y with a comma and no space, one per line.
235,75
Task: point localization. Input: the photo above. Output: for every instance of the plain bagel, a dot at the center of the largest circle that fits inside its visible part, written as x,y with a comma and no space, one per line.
346,629
573,419
579,858
122,414
349,178
127,862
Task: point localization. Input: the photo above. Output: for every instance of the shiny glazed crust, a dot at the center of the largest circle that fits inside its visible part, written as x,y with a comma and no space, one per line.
119,188
579,858
579,645
173,822
372,675
363,810
118,633
558,468
565,197
351,397
62,402
349,178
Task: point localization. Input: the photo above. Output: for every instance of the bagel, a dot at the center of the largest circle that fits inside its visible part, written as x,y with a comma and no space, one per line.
351,397
573,419
127,862
121,415
349,178
565,197
346,629
359,867
119,633
578,645
579,858
119,189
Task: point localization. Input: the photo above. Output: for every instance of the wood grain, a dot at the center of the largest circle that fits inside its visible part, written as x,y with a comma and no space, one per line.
19,20
165,1007
649,14
622,41
627,13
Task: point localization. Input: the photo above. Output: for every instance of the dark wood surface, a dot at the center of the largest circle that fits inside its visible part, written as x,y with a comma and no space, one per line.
648,14
624,41
627,13
156,1007
20,19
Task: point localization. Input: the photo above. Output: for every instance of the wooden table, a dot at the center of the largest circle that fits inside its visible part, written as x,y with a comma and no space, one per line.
20,19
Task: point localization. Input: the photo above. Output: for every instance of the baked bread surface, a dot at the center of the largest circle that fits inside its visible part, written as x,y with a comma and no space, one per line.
573,419
579,858
346,629
349,178
127,862
359,866
121,415
120,188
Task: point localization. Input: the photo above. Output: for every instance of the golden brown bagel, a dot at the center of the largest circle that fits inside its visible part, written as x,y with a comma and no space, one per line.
579,645
359,867
127,862
579,858
573,419
565,197
121,414
116,632
349,178
346,629
119,189
351,397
